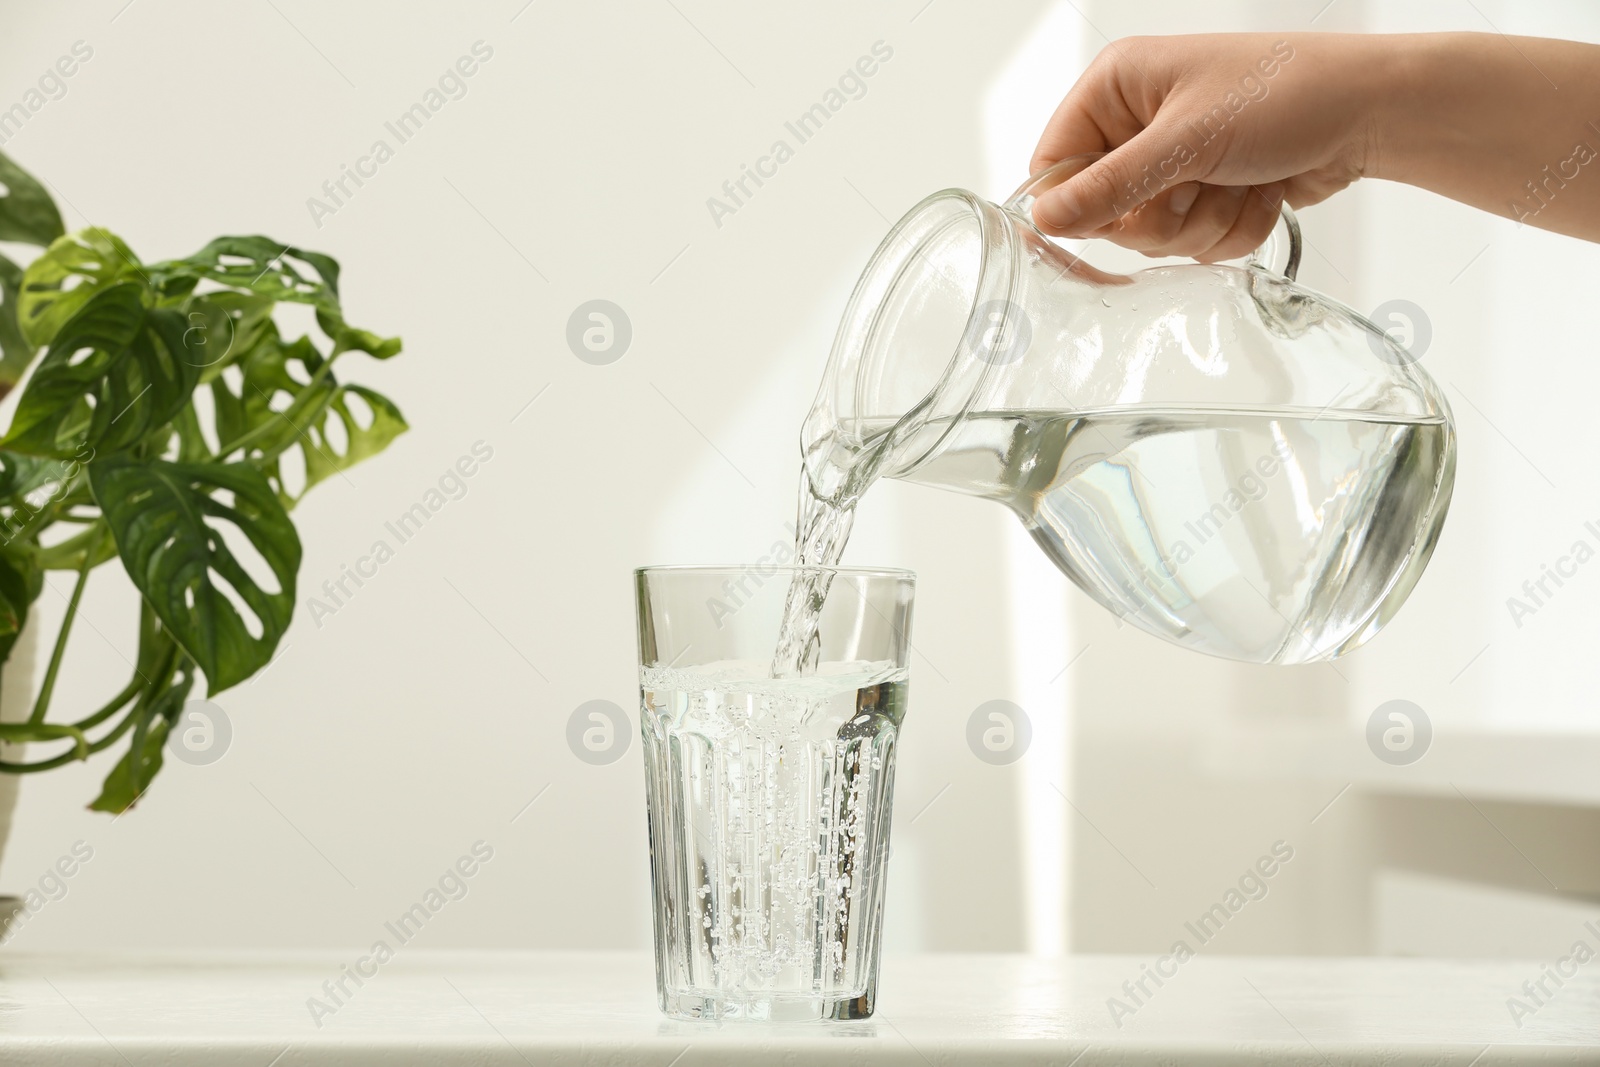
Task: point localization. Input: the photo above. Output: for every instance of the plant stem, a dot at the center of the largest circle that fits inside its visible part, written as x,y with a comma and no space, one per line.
68,757
18,733
245,439
171,660
88,541
129,691
307,418
324,371
42,705
269,425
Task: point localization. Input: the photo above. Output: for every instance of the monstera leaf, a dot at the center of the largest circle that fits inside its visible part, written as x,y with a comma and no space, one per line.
21,474
276,272
279,390
222,327
136,769
115,371
139,765
72,271
254,264
167,519
15,351
286,399
20,583
27,214
362,440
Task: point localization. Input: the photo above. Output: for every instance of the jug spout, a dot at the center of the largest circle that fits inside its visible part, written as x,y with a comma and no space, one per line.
929,322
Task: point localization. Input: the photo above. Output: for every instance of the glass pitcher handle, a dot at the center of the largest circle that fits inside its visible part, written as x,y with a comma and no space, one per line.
1262,258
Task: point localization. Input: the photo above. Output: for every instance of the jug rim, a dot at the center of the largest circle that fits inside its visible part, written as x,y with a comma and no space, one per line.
854,360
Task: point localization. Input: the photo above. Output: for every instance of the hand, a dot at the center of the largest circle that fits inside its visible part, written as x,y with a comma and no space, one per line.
1207,135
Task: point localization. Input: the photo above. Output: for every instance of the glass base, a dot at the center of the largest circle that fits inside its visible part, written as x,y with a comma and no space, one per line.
767,1007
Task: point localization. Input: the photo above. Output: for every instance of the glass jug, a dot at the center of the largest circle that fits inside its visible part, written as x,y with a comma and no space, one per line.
1218,455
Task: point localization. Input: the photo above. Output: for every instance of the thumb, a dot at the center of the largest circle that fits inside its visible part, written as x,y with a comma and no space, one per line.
1113,185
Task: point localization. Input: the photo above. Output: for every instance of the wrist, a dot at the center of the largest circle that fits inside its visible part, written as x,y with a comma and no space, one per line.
1416,94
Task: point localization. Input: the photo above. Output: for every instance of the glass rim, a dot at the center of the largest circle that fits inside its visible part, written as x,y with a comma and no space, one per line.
893,573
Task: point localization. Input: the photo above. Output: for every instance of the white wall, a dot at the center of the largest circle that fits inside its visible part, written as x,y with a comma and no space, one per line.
428,712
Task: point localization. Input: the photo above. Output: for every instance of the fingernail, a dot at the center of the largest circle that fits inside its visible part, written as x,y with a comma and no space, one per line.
1182,198
1056,210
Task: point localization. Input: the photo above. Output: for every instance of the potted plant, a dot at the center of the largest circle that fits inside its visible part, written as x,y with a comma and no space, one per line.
168,424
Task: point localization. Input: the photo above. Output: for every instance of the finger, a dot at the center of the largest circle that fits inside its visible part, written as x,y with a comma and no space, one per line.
1257,216
1110,187
1210,220
1156,222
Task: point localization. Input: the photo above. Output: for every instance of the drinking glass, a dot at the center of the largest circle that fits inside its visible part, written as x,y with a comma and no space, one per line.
769,797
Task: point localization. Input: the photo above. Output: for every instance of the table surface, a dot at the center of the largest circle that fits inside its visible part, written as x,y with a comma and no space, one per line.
599,1008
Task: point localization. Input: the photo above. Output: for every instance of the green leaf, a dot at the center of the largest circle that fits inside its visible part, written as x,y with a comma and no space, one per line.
362,441
69,274
134,772
349,339
192,444
12,612
273,401
258,265
224,325
68,555
168,523
277,272
20,584
21,474
27,212
115,371
286,399
15,351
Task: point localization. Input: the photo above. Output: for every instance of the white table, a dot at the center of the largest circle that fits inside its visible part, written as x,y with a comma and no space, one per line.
599,1009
